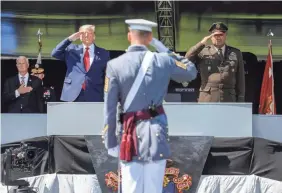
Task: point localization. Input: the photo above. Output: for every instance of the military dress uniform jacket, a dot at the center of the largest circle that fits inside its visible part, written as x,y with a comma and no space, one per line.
222,79
120,74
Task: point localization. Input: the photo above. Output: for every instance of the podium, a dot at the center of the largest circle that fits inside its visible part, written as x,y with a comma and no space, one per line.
188,119
192,127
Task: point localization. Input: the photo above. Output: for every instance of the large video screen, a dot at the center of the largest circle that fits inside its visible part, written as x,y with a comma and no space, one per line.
19,25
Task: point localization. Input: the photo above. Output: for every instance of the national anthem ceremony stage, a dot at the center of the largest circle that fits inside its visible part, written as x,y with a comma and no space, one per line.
216,147
220,147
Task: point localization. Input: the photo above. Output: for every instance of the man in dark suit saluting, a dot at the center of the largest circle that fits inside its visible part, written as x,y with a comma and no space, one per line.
22,93
86,66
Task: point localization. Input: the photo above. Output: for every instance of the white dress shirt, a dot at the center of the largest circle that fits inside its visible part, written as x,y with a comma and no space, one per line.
91,52
26,76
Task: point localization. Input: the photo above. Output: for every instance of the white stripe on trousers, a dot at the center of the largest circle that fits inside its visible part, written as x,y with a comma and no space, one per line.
143,177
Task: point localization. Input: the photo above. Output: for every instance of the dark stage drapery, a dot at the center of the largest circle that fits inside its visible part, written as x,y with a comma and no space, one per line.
227,156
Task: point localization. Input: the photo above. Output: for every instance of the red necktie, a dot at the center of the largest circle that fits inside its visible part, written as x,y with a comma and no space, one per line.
86,60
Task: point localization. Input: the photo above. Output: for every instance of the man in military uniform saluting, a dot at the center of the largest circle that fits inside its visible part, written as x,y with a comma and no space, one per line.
138,80
221,67
48,92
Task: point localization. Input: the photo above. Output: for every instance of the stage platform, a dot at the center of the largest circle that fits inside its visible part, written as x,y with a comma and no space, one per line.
64,161
245,147
195,119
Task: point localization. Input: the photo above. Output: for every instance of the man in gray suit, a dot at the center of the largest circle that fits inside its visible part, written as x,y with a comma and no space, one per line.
138,80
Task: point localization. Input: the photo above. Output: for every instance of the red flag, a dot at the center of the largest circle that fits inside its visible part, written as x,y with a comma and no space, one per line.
267,99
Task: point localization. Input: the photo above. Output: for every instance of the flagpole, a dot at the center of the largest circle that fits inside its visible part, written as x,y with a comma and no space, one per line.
39,59
270,34
39,34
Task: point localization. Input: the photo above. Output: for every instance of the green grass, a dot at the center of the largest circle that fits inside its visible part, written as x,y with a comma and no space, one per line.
237,36
111,32
64,17
245,16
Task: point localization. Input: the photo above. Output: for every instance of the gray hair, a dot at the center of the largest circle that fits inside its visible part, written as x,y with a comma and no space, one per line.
91,27
23,57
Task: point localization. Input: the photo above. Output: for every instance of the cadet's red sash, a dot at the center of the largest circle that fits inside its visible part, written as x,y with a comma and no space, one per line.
128,146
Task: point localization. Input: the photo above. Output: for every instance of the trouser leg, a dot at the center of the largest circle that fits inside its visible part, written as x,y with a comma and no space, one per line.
132,177
154,176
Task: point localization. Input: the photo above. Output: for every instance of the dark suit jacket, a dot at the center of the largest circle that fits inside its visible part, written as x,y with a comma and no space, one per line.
26,103
72,55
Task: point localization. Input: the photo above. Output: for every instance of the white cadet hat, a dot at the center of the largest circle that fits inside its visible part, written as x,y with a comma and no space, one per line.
140,24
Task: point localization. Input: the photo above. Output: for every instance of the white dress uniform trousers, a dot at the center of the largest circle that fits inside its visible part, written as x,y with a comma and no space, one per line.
143,177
